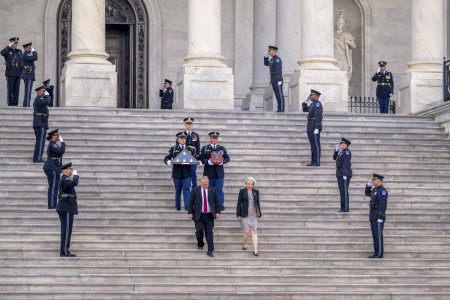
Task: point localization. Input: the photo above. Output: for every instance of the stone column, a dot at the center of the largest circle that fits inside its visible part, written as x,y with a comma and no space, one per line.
318,68
204,80
264,29
88,79
422,83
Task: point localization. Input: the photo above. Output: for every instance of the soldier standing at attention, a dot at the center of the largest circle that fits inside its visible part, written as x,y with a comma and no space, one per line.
192,141
166,95
52,166
276,75
377,216
49,89
40,122
314,126
343,156
29,57
385,87
67,206
13,62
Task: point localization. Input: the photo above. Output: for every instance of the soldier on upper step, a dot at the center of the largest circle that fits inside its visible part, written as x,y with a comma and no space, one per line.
49,89
343,156
385,87
28,75
273,61
192,141
377,216
13,62
52,166
314,126
40,122
166,94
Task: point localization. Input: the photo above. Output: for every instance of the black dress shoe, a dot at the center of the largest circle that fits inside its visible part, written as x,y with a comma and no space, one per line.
68,254
375,256
210,253
341,210
255,254
244,248
178,208
199,248
310,165
186,208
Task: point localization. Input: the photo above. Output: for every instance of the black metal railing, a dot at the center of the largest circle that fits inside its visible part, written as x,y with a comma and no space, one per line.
446,77
367,105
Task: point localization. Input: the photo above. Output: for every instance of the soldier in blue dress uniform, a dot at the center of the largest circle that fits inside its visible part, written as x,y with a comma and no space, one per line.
343,157
192,141
377,216
181,174
52,166
13,62
166,95
49,89
314,125
67,206
276,75
40,122
385,87
215,172
28,76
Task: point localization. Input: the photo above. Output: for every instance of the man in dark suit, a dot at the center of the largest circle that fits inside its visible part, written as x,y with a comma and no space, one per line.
203,208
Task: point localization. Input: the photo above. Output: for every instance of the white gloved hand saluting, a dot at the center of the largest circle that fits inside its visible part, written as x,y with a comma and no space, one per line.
32,49
169,162
379,69
316,131
344,177
380,221
10,44
338,146
46,93
370,183
161,86
390,95
280,82
75,173
61,139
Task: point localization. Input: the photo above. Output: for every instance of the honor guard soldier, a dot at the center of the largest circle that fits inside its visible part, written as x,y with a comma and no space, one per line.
314,125
52,166
67,206
385,87
276,75
181,173
377,216
166,95
29,57
343,157
192,141
49,89
40,122
214,156
13,62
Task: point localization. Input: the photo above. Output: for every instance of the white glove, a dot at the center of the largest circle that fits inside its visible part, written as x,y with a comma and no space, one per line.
75,173
169,162
280,82
46,93
370,183
200,163
316,131
161,87
390,95
221,163
344,177
10,44
379,69
338,146
210,162
32,49
380,221
61,139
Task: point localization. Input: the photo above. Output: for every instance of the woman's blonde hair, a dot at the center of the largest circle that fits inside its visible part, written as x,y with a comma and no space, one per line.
252,179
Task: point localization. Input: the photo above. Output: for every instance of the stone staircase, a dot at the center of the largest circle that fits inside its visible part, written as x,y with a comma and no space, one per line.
132,244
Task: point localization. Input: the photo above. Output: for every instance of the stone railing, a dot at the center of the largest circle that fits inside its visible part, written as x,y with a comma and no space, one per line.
440,110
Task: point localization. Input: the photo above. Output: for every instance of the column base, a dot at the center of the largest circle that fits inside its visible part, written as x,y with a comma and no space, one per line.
255,99
205,88
418,90
88,85
333,84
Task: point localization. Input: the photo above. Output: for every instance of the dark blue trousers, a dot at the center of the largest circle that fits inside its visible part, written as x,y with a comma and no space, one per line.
343,191
194,176
182,185
28,87
40,133
205,226
13,86
66,220
384,104
278,90
314,140
53,180
218,184
377,235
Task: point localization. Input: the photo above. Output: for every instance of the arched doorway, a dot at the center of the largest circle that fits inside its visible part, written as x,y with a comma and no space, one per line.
126,42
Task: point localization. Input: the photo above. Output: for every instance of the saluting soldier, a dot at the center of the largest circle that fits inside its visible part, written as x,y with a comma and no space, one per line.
40,122
52,166
377,216
314,126
192,141
343,157
273,61
29,57
13,62
210,157
67,206
385,87
166,95
49,89
181,173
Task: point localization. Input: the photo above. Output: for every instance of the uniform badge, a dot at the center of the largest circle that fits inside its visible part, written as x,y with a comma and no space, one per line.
383,192
170,91
347,152
317,104
278,60
55,146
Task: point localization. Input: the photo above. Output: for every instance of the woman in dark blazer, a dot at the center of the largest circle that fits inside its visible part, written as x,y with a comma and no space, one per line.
248,211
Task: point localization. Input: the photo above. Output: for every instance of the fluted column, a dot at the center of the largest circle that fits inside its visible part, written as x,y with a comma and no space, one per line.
88,78
204,81
422,83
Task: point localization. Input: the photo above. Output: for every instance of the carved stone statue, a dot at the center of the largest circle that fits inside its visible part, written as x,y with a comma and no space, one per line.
344,43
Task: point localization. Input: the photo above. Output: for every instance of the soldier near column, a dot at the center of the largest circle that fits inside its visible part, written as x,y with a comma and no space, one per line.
67,206
377,216
192,141
49,89
52,166
28,76
343,157
385,87
13,62
40,122
273,61
314,125
166,94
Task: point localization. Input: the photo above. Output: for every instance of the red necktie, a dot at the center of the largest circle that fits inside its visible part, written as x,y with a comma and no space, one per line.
205,204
